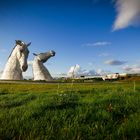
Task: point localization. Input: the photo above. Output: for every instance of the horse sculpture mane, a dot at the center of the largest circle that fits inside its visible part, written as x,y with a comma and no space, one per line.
40,72
17,62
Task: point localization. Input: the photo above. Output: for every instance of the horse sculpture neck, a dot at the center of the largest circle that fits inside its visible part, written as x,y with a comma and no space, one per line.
12,69
40,72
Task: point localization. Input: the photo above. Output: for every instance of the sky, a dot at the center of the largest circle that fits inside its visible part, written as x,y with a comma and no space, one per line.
90,36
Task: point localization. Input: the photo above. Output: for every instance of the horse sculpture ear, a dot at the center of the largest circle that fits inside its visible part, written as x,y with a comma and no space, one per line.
18,42
28,44
35,54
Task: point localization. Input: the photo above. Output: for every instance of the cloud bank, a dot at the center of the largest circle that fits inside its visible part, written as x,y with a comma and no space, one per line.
132,69
114,62
128,13
78,71
74,70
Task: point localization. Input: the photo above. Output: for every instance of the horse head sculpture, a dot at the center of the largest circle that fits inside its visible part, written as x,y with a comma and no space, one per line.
40,72
43,57
17,62
22,52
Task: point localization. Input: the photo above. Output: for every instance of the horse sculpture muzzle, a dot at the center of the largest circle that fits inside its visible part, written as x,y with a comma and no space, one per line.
24,68
53,53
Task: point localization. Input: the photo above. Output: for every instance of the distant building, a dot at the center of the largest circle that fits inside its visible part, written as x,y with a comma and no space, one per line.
114,76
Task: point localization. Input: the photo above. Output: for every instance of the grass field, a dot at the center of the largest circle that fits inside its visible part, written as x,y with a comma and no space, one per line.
100,111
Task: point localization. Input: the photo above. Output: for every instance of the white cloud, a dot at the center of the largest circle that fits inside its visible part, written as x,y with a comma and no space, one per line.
132,69
128,13
97,44
114,62
74,70
78,71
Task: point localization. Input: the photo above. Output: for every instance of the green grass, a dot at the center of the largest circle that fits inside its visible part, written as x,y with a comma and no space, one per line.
100,111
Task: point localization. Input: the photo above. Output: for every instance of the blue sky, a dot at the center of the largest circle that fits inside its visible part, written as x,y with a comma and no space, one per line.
98,35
